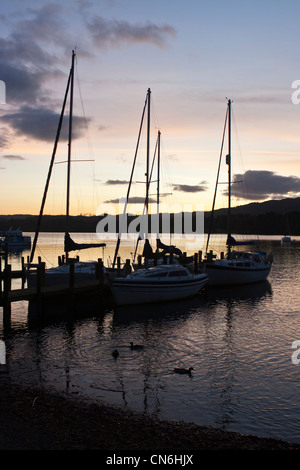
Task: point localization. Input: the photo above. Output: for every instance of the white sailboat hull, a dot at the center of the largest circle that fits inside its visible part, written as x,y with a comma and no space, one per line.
60,275
139,290
222,274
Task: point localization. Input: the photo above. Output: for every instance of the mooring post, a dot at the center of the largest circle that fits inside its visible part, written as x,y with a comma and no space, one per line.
100,274
71,286
1,278
5,255
139,261
7,289
119,264
127,266
23,272
40,281
196,263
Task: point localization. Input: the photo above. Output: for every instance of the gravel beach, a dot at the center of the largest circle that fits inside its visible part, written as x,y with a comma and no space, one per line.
34,420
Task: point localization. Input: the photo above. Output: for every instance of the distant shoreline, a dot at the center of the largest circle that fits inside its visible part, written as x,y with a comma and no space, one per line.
267,218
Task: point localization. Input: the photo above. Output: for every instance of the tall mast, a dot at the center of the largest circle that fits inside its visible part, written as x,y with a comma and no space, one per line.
228,162
158,178
69,150
50,171
130,182
148,161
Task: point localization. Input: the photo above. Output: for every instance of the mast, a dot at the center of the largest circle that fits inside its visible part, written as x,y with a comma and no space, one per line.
50,171
69,151
148,162
228,162
158,178
216,186
130,181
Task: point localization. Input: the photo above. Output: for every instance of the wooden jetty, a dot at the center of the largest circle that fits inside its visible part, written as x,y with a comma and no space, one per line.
72,289
41,292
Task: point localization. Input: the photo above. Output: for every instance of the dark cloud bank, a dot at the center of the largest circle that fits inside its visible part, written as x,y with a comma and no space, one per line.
27,63
261,185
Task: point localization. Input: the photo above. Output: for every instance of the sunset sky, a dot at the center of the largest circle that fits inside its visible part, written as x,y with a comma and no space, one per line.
192,55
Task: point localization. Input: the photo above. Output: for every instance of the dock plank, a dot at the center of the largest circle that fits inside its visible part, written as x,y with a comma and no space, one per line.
31,293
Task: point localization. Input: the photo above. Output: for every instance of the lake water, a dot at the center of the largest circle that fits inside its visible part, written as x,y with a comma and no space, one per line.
238,341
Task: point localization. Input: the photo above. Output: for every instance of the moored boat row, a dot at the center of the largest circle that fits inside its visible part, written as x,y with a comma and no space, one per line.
160,282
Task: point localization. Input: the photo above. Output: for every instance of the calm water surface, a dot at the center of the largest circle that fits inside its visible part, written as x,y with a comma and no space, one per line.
238,340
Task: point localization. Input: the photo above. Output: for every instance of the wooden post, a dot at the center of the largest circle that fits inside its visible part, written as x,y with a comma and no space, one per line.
118,263
71,286
7,289
40,281
5,255
1,277
139,261
127,266
196,263
100,275
23,272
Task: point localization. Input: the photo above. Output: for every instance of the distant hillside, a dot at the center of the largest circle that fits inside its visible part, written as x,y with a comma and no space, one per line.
262,218
282,206
274,217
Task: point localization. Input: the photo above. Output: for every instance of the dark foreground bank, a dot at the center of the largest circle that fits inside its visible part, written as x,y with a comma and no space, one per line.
34,420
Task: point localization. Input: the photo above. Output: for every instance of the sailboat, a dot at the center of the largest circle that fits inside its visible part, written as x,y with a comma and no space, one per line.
156,283
14,239
237,267
83,270
286,240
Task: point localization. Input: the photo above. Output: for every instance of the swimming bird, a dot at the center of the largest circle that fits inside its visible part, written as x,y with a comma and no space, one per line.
115,353
136,346
183,371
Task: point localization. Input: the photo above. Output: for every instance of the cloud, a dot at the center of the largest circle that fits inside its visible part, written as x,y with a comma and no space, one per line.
112,182
187,188
13,157
23,84
41,123
115,32
26,60
259,185
132,200
4,138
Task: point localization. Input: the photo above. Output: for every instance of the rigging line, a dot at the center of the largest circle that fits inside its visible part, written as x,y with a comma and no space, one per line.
239,152
144,208
218,173
130,181
89,141
78,86
154,114
51,167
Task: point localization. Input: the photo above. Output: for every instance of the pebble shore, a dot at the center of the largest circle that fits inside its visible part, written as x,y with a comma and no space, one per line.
37,420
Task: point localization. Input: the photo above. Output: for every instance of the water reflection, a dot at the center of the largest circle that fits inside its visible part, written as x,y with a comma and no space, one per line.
236,339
